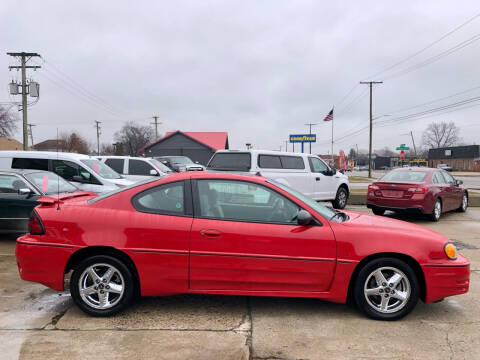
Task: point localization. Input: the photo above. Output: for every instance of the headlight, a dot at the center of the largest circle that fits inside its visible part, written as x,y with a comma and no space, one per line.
450,250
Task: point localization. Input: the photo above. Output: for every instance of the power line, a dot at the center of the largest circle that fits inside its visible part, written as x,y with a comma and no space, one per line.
426,47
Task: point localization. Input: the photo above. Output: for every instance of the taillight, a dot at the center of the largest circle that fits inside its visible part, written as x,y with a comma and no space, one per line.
417,190
35,226
373,187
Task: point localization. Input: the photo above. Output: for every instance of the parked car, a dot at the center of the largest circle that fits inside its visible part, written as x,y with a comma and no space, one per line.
304,172
444,167
136,168
19,191
363,168
85,172
229,234
420,190
180,163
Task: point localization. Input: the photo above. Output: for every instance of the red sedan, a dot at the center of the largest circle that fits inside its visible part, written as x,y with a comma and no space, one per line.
212,233
417,190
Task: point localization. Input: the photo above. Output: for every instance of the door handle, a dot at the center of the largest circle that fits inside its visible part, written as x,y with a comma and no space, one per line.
211,234
317,179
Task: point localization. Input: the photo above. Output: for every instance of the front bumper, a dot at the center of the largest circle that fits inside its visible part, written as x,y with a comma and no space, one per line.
42,262
446,280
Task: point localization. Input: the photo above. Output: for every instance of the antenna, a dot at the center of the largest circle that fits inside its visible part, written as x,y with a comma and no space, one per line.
58,180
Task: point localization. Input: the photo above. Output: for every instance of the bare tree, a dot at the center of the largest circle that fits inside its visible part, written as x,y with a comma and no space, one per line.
107,149
441,134
386,151
133,137
73,142
7,122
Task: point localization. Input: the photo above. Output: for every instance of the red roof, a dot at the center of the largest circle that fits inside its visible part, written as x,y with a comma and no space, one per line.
214,140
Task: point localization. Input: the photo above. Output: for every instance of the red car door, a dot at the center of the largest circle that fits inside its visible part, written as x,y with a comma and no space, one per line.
244,237
455,192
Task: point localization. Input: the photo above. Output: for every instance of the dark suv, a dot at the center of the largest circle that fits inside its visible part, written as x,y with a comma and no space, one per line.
180,163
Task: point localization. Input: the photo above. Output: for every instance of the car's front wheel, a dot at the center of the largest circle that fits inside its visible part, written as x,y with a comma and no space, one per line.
341,198
386,289
102,285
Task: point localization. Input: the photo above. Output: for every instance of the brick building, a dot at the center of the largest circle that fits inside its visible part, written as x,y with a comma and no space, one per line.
460,158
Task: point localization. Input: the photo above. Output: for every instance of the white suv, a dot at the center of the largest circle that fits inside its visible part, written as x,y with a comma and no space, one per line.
304,172
135,168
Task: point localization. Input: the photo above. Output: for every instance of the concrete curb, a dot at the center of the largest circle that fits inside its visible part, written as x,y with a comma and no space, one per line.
360,198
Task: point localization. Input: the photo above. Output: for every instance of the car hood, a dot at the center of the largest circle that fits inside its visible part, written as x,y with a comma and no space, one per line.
124,182
393,226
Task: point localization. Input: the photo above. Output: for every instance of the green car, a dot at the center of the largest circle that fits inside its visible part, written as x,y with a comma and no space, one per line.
19,191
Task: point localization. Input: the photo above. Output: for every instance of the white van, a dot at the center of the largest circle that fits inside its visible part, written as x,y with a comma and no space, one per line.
303,172
85,172
136,168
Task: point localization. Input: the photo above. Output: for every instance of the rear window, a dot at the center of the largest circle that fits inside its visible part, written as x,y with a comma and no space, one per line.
407,176
230,161
26,163
139,167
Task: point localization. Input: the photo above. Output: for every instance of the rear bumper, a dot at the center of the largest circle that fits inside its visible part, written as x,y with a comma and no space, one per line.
446,280
415,204
42,262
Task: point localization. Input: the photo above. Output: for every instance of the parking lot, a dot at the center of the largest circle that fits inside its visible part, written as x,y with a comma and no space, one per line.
36,322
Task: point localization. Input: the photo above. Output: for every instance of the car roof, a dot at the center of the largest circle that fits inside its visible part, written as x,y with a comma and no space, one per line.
22,171
264,152
416,168
48,154
123,157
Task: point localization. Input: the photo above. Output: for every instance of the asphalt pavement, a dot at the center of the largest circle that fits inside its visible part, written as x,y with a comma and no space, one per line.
39,323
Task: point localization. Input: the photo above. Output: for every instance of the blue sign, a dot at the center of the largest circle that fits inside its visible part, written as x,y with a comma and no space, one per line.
303,138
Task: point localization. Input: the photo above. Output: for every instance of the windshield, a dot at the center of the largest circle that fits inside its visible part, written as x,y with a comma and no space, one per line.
230,161
410,176
181,160
321,209
160,166
50,183
101,169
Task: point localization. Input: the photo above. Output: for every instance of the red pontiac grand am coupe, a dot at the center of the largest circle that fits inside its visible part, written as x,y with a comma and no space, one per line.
419,190
214,233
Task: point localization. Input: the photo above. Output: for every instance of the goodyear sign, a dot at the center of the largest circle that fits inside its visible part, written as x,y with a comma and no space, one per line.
309,138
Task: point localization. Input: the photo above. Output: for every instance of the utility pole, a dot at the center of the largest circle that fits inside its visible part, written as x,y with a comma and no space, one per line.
310,133
97,125
156,123
370,83
413,141
286,145
31,132
24,57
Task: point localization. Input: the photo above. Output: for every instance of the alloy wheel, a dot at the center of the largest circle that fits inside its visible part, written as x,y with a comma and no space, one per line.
437,211
464,202
387,290
101,286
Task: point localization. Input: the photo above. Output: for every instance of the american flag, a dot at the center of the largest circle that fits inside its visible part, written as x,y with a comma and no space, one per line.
329,117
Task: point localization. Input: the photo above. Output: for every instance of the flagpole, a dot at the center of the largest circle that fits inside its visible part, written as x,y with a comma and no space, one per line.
333,160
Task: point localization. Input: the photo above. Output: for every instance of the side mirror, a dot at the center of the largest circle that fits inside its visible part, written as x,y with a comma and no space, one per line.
154,172
458,182
304,218
24,191
77,178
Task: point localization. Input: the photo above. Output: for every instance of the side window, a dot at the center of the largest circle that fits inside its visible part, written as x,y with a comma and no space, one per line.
26,163
244,201
10,184
292,162
269,162
139,167
168,199
317,165
448,178
71,171
115,164
438,178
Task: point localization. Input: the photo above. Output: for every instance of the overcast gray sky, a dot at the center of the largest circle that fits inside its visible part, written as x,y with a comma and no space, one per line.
257,69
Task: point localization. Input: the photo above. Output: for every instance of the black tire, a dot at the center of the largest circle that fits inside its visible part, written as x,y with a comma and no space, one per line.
364,280
464,203
378,211
121,275
436,213
341,198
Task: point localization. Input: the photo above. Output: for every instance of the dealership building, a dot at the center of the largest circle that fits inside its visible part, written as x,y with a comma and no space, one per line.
460,158
198,146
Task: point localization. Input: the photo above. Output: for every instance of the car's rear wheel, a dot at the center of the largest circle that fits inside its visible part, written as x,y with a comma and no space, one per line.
464,204
437,210
102,285
386,289
378,211
341,198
